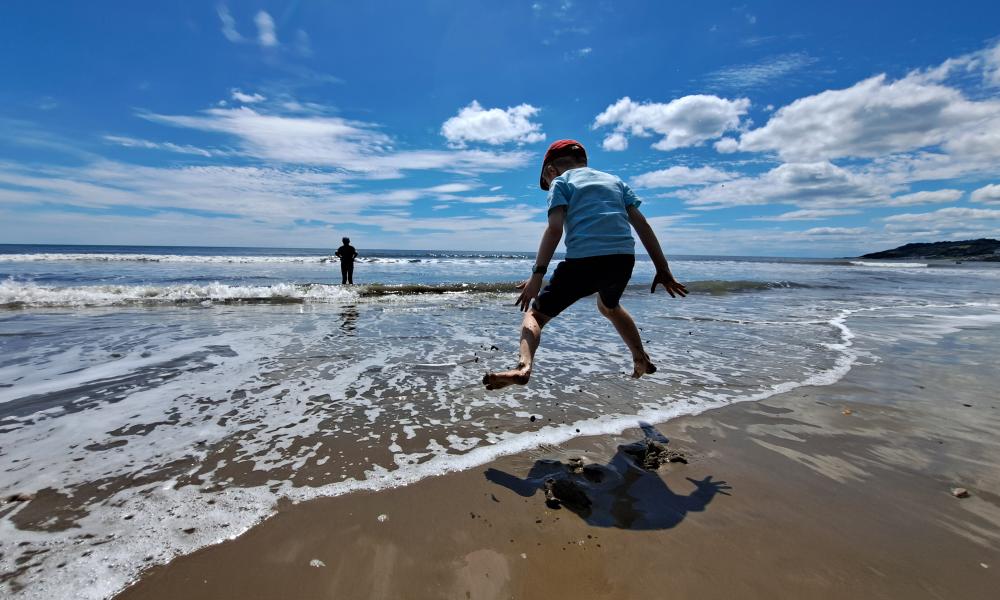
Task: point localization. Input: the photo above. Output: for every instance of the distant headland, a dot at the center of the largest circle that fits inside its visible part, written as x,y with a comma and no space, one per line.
981,249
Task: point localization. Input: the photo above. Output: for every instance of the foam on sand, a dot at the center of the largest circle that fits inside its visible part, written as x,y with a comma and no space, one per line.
889,265
15,294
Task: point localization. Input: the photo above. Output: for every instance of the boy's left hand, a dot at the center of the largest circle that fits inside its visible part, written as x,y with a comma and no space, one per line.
673,287
529,290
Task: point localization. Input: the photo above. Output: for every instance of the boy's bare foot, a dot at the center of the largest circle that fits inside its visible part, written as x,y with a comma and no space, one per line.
518,376
642,366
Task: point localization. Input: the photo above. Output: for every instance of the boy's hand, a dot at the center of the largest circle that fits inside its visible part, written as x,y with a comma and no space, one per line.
529,289
666,279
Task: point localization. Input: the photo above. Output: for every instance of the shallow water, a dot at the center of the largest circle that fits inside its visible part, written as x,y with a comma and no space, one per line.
155,401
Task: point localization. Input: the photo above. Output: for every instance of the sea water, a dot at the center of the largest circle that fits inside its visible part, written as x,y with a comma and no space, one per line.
154,400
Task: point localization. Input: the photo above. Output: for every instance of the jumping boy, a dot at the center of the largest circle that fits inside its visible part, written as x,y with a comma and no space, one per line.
596,209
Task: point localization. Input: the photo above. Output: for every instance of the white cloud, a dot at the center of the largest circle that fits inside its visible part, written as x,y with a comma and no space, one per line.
276,196
228,25
683,122
809,185
835,231
727,145
988,194
991,72
809,214
316,140
257,192
950,212
451,188
518,214
952,222
680,176
496,188
482,199
615,142
931,166
934,197
245,98
876,117
130,142
493,126
266,35
758,73
985,61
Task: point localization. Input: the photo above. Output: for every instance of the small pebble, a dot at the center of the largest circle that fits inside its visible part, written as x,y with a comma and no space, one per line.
848,411
316,563
383,518
960,492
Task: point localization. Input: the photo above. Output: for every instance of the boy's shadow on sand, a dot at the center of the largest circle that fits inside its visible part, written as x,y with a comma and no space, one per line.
619,494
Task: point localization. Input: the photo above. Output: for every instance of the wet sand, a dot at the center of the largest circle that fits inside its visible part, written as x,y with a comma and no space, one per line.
829,492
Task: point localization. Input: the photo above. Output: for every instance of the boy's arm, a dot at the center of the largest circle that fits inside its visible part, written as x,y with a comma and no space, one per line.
648,238
546,248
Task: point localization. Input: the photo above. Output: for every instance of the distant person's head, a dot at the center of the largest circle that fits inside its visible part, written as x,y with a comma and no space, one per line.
561,156
346,240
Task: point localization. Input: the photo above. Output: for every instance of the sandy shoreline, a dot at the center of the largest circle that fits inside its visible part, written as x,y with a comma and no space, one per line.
836,491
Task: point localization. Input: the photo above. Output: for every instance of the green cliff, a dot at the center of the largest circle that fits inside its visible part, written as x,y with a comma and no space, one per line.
981,249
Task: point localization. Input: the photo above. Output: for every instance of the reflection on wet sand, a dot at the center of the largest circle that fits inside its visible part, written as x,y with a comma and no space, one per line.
349,319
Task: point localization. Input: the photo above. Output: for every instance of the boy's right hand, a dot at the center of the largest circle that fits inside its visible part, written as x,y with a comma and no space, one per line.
673,287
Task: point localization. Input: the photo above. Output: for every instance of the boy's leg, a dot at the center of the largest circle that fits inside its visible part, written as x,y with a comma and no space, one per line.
343,274
531,334
626,328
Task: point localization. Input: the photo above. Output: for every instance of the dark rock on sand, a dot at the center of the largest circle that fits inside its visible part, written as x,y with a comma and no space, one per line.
565,491
20,497
650,454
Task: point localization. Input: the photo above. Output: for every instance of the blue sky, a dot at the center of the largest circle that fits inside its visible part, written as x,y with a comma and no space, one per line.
776,128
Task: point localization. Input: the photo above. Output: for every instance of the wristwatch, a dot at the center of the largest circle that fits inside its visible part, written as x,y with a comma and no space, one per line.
539,269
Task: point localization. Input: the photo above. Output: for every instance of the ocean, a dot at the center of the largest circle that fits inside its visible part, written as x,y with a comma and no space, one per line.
155,400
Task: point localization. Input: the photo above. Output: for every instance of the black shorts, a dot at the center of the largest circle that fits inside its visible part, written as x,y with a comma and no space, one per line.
575,278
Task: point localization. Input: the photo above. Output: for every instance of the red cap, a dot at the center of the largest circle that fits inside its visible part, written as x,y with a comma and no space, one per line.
557,149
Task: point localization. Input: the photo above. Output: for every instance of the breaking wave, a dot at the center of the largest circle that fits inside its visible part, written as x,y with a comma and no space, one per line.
15,294
890,265
226,259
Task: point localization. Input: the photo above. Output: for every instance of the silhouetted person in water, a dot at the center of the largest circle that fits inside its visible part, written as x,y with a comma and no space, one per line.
346,254
619,494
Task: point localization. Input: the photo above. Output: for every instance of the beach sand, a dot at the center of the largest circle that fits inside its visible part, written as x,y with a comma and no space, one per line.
842,491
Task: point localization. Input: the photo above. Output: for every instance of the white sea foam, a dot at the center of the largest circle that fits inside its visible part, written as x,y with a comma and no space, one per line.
889,265
243,260
16,293
161,258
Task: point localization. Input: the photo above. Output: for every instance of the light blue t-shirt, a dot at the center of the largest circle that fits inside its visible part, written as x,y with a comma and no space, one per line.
596,220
